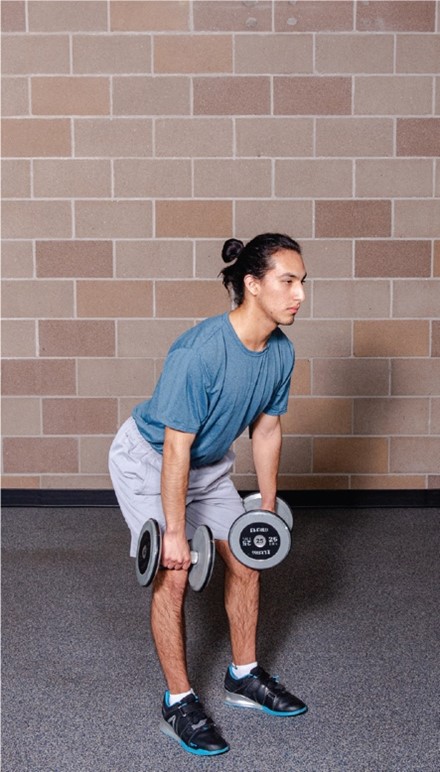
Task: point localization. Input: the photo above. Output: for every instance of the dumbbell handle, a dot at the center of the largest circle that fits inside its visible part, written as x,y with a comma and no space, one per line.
194,557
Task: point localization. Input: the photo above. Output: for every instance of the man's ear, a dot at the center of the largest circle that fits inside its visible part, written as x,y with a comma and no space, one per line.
252,284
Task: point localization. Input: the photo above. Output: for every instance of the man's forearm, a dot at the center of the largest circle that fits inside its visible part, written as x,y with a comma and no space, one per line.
174,479
266,449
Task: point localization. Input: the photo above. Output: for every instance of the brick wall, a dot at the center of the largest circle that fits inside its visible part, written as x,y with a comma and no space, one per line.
137,137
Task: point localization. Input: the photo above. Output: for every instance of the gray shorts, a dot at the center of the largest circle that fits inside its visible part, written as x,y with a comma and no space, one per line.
135,468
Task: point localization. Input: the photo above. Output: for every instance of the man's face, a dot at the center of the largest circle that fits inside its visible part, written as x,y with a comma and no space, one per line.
280,293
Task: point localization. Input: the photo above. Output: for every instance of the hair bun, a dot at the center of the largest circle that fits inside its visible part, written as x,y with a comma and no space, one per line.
231,250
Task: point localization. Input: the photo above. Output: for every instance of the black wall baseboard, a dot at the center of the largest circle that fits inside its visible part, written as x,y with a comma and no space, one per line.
32,497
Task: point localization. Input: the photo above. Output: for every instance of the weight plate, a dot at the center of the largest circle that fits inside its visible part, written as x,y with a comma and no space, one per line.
148,552
202,544
253,501
260,539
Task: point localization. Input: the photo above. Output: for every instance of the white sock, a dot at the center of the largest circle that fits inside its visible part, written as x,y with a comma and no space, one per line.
240,671
173,698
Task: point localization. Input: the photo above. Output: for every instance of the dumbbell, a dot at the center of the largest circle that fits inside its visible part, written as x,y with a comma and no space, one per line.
259,538
149,551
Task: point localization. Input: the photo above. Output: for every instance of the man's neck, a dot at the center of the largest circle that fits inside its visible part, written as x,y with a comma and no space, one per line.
253,330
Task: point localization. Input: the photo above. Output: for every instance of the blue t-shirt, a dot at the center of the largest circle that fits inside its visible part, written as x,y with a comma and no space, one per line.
213,386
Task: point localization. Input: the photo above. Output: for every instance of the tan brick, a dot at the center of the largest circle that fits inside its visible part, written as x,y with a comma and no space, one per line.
350,377
313,179
37,298
392,258
393,94
194,218
351,299
412,377
113,219
79,416
76,481
296,457
314,16
417,53
192,53
391,338
233,179
354,53
387,482
41,376
312,482
149,15
396,15
33,54
392,415
148,338
418,136
104,299
232,16
139,178
192,137
15,96
417,219
154,259
93,455
301,378
35,137
76,338
159,95
115,377
13,16
318,416
21,416
396,178
435,342
436,258
126,405
70,96
350,455
113,137
312,95
74,258
190,299
273,54
111,54
352,218
68,16
16,179
239,95
36,219
328,258
274,137
354,137
18,338
435,416
40,454
20,481
313,338
17,260
415,454
416,298
208,258
72,179
274,216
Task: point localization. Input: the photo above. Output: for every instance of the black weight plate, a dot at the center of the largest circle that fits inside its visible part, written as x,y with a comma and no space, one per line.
253,501
203,549
148,552
260,539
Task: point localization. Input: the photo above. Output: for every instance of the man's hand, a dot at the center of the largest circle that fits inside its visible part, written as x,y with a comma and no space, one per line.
175,552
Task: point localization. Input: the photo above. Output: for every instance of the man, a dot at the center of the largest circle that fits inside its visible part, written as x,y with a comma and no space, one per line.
171,461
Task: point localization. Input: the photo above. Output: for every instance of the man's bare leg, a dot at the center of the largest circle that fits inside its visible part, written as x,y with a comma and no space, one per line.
168,627
242,594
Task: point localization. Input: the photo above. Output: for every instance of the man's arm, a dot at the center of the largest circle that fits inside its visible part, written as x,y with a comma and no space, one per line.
266,450
174,486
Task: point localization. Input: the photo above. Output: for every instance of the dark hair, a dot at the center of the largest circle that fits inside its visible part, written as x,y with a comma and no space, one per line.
255,258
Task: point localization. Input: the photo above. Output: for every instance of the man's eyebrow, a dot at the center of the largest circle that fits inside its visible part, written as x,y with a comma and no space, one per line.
289,275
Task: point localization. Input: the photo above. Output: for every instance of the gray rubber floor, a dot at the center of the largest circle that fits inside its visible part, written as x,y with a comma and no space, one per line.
349,621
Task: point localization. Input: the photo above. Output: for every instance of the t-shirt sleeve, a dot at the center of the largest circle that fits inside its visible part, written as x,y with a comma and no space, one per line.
183,395
280,400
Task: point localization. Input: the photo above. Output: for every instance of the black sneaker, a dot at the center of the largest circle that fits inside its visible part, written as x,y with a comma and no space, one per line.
187,722
261,691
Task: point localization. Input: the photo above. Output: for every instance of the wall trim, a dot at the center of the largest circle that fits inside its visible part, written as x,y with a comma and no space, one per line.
327,499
